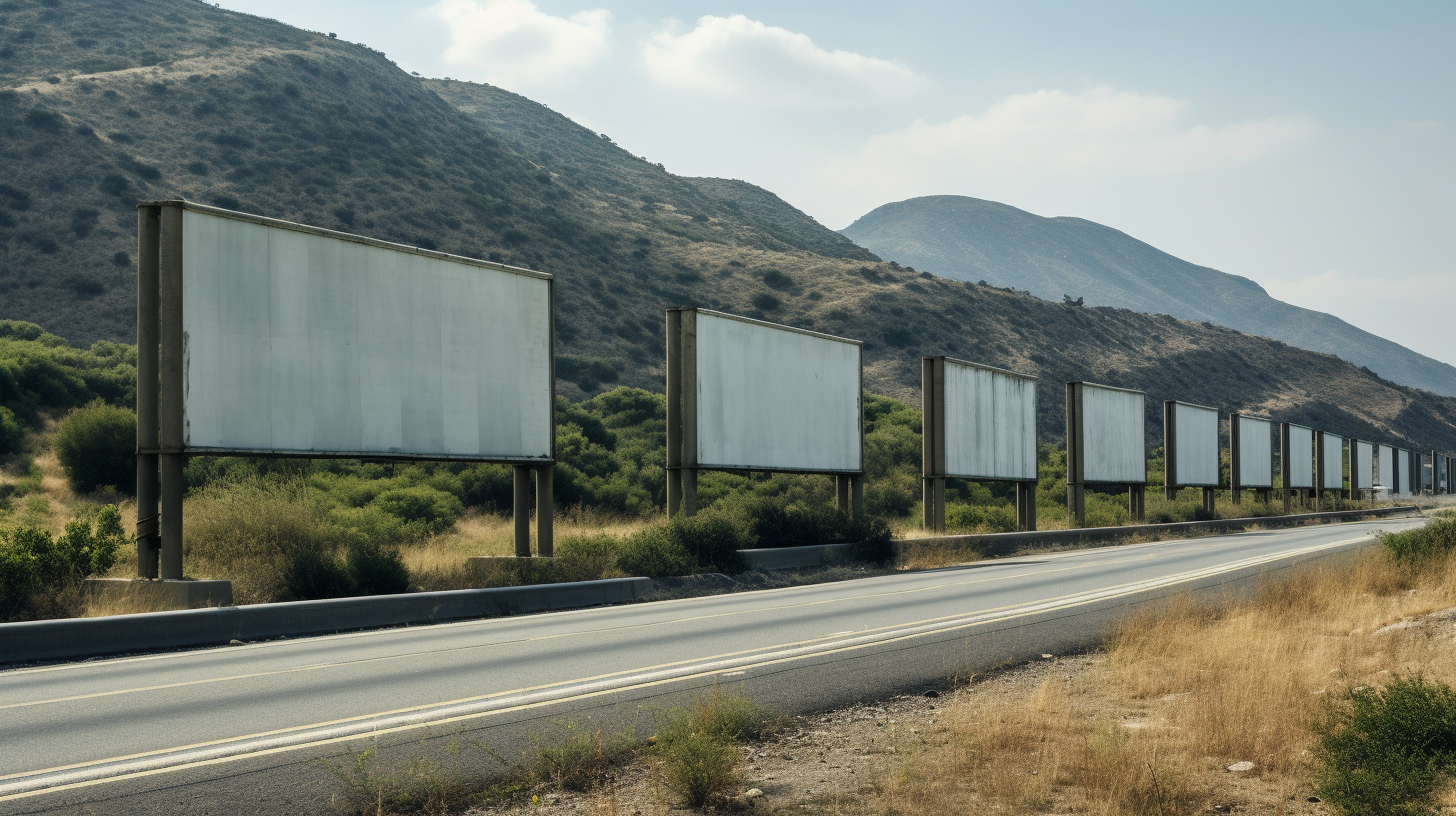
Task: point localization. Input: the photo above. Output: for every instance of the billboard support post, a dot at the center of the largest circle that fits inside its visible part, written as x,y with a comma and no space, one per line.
1236,486
841,493
148,335
545,511
521,511
1170,450
170,396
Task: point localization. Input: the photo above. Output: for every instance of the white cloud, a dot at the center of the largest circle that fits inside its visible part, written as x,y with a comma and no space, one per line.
739,58
1097,133
514,44
1413,311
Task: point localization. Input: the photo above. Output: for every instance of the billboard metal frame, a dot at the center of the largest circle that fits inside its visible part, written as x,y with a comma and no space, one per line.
1171,484
1322,467
682,416
933,446
162,448
1077,459
1236,484
1285,471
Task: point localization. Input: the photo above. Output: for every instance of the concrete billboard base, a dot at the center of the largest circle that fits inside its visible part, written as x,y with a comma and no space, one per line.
158,596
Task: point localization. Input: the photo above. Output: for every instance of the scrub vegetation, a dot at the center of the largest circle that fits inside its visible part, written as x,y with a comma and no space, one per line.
298,529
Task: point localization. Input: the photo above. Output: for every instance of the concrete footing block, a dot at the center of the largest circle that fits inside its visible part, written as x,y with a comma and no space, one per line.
143,595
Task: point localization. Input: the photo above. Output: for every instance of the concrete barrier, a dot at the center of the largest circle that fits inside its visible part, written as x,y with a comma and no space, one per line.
994,544
76,638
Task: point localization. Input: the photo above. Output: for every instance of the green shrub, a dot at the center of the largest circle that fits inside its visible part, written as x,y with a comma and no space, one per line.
34,566
316,573
12,432
433,510
1387,750
654,553
698,745
587,558
712,541
876,543
376,569
1437,537
994,518
96,445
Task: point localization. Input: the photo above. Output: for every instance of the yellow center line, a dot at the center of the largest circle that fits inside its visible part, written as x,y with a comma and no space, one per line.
1038,607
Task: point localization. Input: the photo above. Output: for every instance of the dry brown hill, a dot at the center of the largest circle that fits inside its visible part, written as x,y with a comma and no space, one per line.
104,102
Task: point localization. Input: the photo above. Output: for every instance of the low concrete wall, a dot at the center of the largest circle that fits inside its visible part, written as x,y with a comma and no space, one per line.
75,638
993,544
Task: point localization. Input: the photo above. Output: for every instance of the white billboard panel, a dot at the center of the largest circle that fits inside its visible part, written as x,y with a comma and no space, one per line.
1386,468
1196,460
300,341
1299,455
1333,454
1362,465
1256,452
1113,440
776,398
990,423
1403,471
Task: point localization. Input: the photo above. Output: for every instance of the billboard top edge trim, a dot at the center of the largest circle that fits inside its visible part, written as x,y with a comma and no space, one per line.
1107,387
1251,417
1191,405
308,229
767,324
1297,425
983,367
266,453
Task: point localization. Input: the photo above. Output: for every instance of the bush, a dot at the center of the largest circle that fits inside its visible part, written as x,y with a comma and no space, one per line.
315,573
876,544
96,445
1438,537
1385,753
653,553
587,558
433,511
12,432
698,746
375,569
35,567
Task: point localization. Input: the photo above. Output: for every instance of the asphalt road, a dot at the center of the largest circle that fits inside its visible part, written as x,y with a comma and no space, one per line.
242,729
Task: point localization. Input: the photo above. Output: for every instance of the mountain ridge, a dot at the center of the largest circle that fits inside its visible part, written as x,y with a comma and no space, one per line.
973,239
251,114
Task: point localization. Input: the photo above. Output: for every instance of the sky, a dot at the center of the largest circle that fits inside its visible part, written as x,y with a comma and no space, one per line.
1308,146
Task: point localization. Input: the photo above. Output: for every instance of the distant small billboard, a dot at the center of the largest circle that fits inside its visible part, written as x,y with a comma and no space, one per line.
1332,461
1106,435
980,422
1190,447
1386,467
1362,465
1403,472
1255,449
1298,456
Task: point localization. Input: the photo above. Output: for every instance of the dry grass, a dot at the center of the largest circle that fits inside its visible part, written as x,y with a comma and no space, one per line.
1182,693
439,562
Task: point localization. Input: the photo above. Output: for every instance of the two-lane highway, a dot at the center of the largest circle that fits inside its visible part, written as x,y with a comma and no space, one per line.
171,732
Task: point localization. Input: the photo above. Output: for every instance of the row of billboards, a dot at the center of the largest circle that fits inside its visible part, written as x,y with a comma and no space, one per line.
259,337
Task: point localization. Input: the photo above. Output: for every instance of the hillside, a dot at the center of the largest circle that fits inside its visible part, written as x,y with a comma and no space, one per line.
974,240
104,102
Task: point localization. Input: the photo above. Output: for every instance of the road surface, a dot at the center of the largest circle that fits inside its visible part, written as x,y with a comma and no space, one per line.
249,728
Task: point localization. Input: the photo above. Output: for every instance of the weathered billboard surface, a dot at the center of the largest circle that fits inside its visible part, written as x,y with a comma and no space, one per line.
1386,466
772,397
301,341
1362,465
990,423
1332,451
1195,441
1403,471
1113,443
1256,452
1299,457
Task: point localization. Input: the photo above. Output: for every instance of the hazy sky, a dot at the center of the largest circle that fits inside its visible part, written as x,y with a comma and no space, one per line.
1309,146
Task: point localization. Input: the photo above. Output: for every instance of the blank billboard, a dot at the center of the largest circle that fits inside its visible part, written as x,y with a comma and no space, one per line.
1362,465
776,398
1112,432
301,341
1386,466
1196,445
1332,451
1299,457
990,423
1403,471
1256,452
